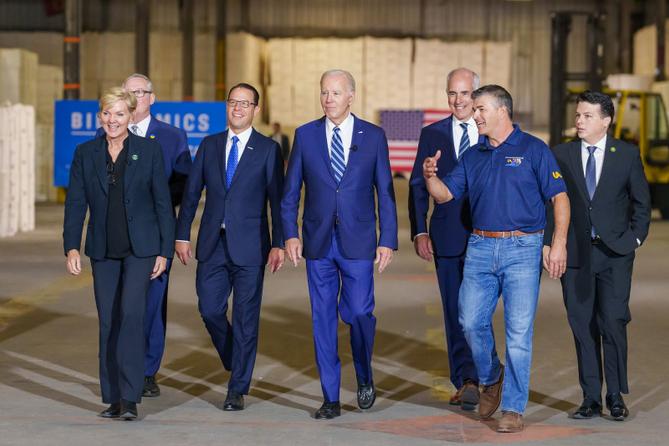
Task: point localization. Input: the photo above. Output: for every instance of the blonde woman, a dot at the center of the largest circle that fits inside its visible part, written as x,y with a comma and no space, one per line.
119,179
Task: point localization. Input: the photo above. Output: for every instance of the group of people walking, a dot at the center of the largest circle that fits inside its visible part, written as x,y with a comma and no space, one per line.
504,205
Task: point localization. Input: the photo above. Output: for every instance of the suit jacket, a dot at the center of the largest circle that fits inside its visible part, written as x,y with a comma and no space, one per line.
451,222
243,207
147,199
620,208
176,155
351,203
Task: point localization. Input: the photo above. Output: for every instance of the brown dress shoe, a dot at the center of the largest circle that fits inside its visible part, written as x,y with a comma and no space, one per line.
491,396
511,422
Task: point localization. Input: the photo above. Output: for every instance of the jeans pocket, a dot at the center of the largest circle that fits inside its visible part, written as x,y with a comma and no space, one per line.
473,239
531,240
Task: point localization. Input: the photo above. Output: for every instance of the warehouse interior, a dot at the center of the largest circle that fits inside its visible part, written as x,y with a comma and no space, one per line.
399,52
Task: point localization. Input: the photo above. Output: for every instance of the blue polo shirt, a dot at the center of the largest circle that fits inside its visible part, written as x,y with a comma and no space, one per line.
508,185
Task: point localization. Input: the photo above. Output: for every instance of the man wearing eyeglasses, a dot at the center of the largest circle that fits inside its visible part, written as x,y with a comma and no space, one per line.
242,171
177,162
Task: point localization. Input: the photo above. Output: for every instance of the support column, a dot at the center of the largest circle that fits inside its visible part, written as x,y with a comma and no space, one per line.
187,50
71,45
142,37
221,10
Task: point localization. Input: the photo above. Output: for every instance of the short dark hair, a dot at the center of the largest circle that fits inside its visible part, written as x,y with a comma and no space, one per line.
595,97
501,96
251,88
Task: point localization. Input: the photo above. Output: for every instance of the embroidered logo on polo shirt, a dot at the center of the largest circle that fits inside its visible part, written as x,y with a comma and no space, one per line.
557,174
513,161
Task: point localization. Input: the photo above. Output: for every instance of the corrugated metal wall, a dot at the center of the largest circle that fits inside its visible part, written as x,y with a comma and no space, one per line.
525,23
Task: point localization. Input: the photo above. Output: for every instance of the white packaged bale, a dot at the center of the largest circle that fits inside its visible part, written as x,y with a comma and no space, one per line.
639,82
9,173
44,188
49,90
18,76
280,104
117,56
25,131
471,55
497,64
645,56
243,59
280,61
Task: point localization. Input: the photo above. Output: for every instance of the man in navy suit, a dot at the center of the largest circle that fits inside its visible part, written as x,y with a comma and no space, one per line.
242,171
177,161
450,224
341,160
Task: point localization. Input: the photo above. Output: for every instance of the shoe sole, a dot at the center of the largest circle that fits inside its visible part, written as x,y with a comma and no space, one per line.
150,394
577,416
233,409
127,416
365,407
468,406
108,417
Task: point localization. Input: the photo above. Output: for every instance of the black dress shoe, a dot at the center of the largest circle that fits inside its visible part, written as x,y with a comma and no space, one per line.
366,396
589,408
233,402
151,389
616,406
328,411
113,411
128,410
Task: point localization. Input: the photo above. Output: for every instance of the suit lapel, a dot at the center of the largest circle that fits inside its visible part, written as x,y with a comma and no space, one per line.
101,163
221,142
132,160
325,151
607,166
357,140
153,125
448,131
248,155
576,162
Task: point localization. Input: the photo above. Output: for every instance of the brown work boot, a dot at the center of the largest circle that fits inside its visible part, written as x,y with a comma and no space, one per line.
511,422
491,396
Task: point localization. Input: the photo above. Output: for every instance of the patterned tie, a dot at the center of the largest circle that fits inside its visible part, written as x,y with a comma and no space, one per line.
232,162
464,141
337,155
134,129
591,178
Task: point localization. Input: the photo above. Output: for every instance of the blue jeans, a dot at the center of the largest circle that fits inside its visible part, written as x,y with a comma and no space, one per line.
512,267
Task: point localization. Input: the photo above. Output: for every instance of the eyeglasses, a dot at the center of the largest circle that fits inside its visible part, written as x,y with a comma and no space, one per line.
111,175
232,103
140,93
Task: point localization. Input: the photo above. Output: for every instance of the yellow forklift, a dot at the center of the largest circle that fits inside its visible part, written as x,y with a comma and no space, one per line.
640,117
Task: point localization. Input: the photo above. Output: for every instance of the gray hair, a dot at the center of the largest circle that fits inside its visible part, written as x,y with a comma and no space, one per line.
149,84
476,80
339,72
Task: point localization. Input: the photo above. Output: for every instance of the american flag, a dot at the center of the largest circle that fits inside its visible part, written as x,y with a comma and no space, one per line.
402,129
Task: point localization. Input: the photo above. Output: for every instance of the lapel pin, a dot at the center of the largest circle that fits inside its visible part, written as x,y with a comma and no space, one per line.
249,147
360,131
612,149
152,136
135,157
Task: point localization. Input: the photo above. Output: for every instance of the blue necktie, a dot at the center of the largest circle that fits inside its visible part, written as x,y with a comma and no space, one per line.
337,155
464,141
232,162
591,178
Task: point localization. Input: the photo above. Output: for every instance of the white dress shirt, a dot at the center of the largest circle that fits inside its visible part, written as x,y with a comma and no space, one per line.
345,132
472,131
599,156
142,126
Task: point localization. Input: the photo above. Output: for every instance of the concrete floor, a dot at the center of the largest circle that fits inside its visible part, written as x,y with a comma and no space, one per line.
49,391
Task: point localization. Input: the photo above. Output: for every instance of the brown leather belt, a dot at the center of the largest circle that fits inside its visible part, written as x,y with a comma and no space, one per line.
503,234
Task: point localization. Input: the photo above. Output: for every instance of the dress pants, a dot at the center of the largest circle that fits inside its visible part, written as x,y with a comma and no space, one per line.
120,296
460,362
155,321
236,343
327,277
597,300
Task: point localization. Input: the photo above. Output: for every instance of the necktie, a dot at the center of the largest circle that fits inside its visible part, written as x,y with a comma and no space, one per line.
464,141
337,155
591,178
134,129
232,162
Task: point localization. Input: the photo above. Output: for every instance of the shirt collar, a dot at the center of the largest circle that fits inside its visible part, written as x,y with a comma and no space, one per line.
143,125
469,122
243,136
344,126
601,144
513,139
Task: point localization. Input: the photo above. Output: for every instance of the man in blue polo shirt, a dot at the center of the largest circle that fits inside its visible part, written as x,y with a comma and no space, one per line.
509,178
